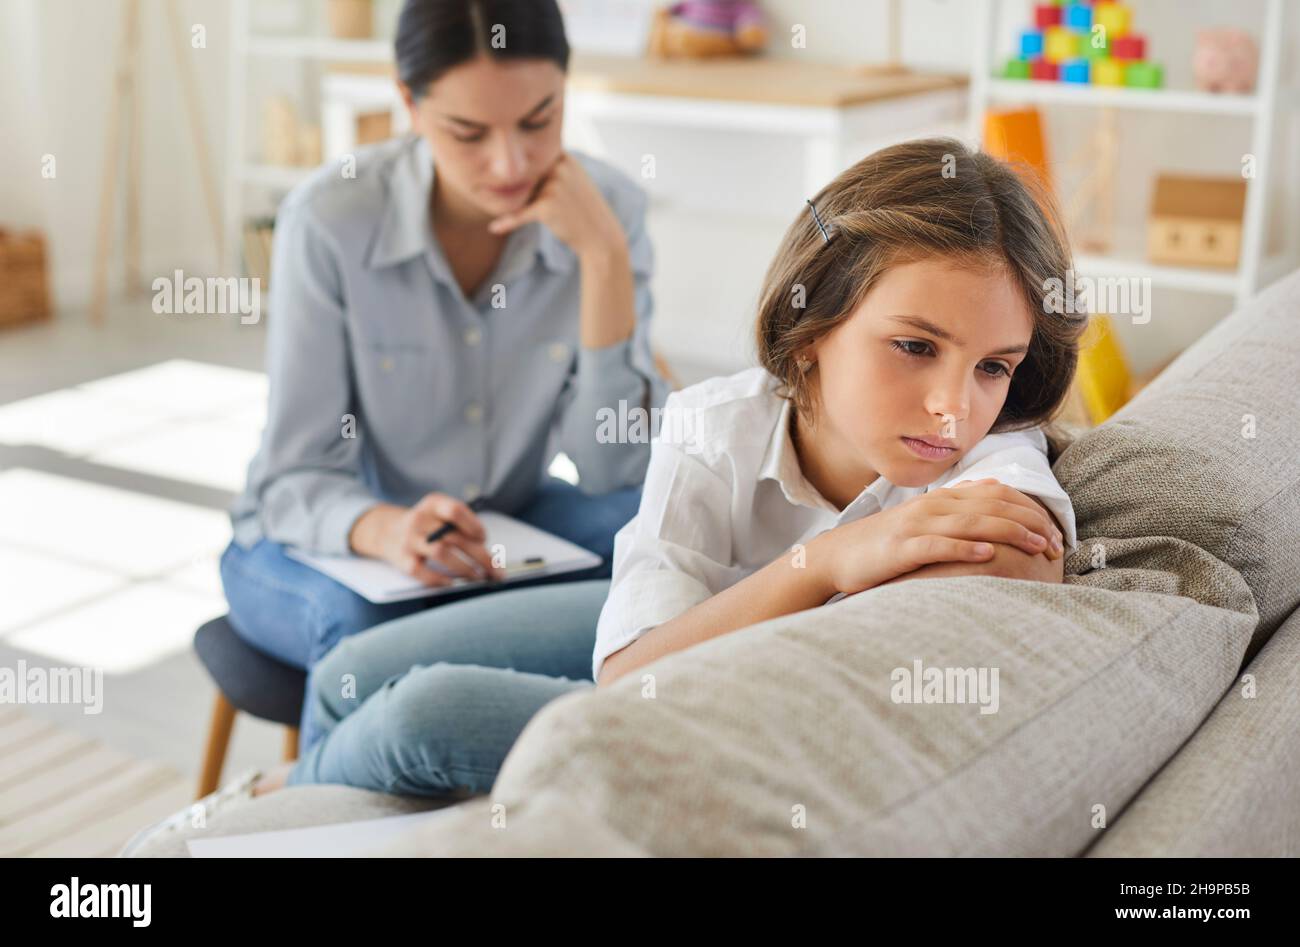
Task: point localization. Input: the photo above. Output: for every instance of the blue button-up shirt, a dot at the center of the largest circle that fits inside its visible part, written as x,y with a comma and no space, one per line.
386,383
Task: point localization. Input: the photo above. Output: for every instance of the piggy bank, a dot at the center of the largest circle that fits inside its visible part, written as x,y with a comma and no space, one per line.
1225,61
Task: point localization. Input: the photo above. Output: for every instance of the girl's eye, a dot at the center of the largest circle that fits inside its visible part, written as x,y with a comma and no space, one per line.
905,346
534,126
469,139
920,349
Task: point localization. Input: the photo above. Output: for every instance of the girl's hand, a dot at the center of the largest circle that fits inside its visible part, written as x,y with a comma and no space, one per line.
400,536
945,525
572,207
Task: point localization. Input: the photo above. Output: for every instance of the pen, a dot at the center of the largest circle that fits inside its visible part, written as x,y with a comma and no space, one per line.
475,505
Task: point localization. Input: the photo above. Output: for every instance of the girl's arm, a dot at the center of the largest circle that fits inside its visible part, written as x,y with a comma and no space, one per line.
944,527
779,588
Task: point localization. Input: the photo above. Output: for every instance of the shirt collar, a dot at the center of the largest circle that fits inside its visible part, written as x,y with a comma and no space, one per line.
781,463
406,229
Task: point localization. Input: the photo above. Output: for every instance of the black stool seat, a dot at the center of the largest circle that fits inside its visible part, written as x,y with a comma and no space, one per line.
252,681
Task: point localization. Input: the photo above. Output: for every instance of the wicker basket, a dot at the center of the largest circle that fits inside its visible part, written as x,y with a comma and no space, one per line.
24,291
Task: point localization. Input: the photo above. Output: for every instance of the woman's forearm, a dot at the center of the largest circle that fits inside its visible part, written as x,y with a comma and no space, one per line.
780,588
607,314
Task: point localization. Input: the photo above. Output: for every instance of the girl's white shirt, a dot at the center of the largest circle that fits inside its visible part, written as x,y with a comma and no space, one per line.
724,496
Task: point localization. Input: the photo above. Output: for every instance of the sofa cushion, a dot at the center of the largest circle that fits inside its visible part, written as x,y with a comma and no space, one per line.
1207,456
793,723
291,808
784,738
1234,790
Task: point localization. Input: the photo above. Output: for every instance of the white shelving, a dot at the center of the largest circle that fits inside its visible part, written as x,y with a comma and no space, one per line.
1164,100
1260,109
247,174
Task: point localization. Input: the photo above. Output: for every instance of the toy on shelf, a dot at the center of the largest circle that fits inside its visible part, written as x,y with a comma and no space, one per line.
286,141
1085,44
1016,136
701,29
1196,221
351,19
1225,60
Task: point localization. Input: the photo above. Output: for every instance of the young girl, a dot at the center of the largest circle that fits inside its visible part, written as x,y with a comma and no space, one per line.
891,432
905,348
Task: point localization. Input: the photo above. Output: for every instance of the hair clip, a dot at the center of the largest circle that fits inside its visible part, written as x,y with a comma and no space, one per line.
820,226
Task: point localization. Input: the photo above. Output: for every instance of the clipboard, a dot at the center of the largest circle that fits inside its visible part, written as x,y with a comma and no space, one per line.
529,553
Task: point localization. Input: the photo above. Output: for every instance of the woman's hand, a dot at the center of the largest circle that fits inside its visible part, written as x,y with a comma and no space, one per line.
572,207
945,525
399,536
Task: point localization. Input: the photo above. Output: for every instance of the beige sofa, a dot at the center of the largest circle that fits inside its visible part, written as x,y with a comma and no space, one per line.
1149,706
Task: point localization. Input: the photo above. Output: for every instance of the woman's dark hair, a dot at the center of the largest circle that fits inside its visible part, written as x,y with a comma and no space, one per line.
434,36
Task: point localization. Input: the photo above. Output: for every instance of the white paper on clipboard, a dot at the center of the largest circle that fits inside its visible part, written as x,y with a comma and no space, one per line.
378,582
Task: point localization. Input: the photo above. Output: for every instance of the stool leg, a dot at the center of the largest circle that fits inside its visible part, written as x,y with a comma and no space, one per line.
214,757
290,744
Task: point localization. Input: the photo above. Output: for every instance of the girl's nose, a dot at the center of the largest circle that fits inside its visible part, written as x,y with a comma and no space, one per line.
950,402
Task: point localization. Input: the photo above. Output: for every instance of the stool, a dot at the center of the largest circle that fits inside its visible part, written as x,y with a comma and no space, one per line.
248,680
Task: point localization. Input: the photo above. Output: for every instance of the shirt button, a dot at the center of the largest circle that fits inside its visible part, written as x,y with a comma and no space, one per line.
474,412
559,352
471,492
473,336
386,364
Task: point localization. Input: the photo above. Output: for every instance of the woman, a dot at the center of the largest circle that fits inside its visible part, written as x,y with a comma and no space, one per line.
447,310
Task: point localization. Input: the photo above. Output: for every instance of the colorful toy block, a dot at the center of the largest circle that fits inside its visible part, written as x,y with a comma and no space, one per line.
1046,14
1078,16
1017,69
1107,72
1076,70
1130,48
1060,43
1094,46
1084,42
1117,18
1042,69
1144,75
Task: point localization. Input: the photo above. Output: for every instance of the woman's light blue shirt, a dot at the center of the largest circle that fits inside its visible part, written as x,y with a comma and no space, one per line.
386,383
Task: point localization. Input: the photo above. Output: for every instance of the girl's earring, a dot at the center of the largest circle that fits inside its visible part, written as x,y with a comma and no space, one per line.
805,364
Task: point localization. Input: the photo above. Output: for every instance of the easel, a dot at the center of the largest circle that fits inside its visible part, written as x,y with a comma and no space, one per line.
893,66
1090,210
126,97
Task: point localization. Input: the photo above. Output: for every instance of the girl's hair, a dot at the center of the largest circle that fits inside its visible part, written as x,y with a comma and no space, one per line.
925,198
434,36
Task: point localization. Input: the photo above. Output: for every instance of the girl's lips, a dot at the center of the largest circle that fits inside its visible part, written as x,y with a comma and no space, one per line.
928,451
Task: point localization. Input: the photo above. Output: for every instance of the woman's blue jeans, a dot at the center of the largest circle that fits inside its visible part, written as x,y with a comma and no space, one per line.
430,704
294,613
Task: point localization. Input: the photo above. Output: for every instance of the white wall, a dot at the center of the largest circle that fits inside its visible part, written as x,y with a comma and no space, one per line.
55,92
56,79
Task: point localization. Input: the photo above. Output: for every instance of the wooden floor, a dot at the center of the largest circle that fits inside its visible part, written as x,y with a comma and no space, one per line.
62,794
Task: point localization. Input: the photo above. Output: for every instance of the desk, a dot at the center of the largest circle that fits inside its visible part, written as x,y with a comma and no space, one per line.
827,107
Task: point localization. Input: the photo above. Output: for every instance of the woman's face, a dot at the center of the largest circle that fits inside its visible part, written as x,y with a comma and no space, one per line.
495,130
928,354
